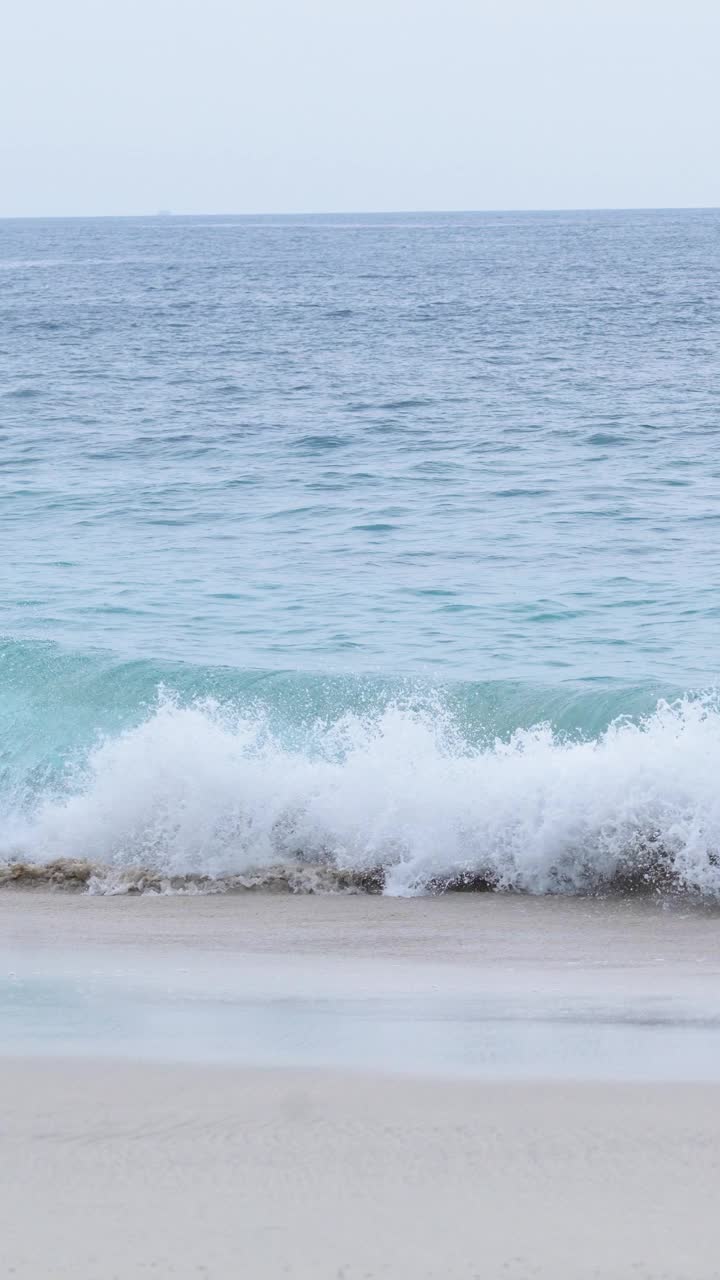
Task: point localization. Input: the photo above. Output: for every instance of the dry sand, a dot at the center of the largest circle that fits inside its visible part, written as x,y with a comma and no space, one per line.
128,1169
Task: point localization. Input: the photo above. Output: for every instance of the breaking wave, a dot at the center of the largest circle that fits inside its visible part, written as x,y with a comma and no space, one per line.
206,795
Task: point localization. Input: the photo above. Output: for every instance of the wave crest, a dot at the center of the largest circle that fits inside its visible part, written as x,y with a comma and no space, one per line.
203,795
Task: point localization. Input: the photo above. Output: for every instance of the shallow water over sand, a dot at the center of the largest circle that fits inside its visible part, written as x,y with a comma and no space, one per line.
559,991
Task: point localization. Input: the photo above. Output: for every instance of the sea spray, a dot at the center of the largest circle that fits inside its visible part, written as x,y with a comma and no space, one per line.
209,795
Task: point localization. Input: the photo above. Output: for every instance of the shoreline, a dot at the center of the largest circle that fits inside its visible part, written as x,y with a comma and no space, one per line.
272,1086
482,927
463,986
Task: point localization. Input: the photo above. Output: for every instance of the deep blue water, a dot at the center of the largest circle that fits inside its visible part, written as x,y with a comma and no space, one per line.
460,469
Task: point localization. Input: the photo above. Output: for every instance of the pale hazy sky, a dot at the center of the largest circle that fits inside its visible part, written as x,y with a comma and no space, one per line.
247,106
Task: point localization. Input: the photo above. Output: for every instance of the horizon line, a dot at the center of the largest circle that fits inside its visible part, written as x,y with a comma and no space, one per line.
163,214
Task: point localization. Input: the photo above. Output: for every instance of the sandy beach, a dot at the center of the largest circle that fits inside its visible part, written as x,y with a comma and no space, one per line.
244,1142
125,1171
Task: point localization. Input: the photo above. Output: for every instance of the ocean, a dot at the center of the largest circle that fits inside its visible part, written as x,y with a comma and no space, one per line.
361,552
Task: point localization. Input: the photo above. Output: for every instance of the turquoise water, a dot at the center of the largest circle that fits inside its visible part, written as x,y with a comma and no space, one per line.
347,540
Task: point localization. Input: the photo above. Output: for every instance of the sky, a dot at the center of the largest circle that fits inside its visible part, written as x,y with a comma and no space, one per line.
252,106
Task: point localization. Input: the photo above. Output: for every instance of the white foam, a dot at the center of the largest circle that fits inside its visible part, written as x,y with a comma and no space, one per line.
205,792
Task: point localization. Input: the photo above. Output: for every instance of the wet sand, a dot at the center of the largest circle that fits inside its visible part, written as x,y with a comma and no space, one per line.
248,1144
482,928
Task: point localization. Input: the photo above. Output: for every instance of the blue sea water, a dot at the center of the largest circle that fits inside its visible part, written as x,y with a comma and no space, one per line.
362,542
